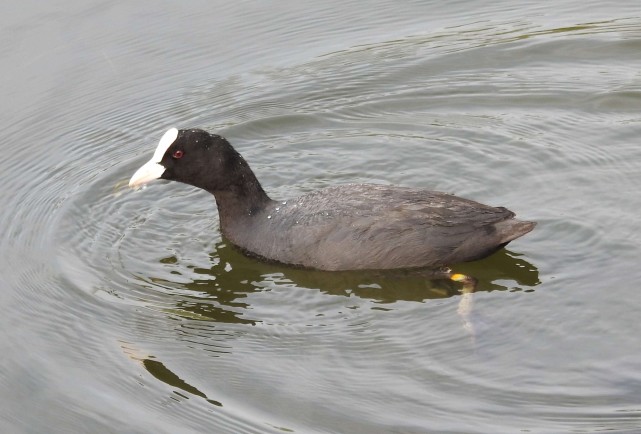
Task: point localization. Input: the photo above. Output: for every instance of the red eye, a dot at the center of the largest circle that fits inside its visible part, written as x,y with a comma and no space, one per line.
178,154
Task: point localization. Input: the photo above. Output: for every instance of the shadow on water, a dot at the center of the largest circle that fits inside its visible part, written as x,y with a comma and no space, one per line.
220,294
160,371
234,276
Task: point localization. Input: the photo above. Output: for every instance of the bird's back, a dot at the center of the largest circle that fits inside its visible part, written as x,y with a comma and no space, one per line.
368,226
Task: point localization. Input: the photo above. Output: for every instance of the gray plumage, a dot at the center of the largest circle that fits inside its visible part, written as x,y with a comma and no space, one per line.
345,227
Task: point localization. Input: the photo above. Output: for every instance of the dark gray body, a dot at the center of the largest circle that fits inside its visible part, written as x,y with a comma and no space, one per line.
348,227
352,227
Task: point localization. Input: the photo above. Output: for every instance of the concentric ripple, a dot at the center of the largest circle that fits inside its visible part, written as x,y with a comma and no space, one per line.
507,115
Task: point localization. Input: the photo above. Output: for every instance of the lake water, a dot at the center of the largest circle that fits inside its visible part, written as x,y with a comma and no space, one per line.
126,312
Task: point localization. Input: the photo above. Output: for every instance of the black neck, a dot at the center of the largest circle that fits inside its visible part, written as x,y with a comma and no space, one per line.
242,195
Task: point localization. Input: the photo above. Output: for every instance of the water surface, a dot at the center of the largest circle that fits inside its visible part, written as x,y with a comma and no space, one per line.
126,311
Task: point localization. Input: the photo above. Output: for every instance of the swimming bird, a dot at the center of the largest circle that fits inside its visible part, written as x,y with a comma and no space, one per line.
343,227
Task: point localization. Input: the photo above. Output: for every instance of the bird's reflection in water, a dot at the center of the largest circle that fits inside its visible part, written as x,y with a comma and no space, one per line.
219,295
233,275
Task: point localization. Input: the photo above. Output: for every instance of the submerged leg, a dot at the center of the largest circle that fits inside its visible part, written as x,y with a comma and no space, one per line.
469,282
466,304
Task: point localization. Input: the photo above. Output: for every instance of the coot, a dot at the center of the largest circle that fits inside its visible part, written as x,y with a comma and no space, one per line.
346,227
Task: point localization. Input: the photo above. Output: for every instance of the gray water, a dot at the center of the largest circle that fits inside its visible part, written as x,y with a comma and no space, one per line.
126,312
